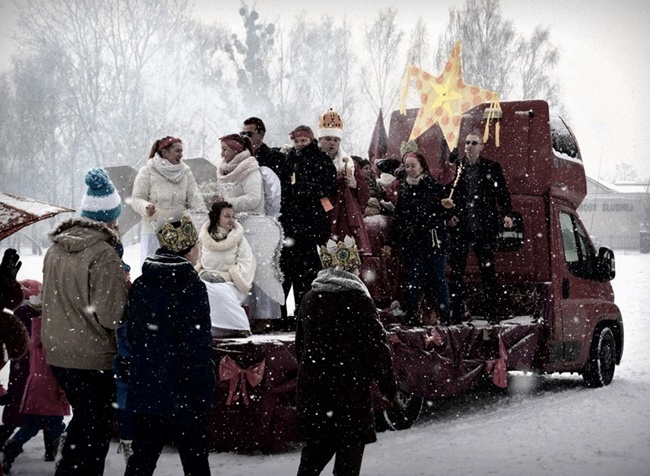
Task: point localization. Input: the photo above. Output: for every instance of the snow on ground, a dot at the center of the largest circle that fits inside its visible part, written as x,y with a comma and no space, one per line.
549,425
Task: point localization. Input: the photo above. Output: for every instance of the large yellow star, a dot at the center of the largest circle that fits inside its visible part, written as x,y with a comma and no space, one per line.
443,99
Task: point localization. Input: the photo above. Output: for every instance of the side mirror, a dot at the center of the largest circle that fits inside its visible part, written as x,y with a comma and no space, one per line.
605,265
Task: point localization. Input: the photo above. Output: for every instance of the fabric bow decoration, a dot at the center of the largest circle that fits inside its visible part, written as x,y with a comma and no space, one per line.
231,371
499,367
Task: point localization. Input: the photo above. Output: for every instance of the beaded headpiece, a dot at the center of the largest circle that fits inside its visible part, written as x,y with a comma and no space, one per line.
342,255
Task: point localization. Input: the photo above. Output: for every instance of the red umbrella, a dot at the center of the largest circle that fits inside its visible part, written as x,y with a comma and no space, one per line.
19,212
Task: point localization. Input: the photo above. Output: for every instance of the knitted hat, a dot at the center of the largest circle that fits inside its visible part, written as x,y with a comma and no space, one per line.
178,237
101,201
342,255
330,124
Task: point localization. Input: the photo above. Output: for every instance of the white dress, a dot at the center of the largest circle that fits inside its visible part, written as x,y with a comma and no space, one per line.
233,260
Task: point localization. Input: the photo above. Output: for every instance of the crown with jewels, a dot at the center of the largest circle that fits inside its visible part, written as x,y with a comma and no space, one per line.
330,124
406,147
342,255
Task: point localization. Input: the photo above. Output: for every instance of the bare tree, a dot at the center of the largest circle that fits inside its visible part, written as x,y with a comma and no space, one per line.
489,45
381,73
110,53
251,57
625,172
419,47
495,57
538,58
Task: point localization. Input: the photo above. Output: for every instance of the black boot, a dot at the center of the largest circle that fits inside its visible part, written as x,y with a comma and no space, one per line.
10,451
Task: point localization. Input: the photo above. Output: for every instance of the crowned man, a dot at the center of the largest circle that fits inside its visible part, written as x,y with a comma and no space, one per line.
353,194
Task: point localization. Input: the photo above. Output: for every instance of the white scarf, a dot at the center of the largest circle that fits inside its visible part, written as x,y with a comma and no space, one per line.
173,173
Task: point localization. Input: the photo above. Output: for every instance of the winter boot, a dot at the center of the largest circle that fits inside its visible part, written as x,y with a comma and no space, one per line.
10,451
126,448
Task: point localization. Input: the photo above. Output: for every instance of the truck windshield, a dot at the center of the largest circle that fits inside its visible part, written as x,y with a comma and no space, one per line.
565,146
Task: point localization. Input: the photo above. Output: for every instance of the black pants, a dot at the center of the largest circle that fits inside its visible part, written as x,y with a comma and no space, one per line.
316,454
91,394
483,248
300,265
151,432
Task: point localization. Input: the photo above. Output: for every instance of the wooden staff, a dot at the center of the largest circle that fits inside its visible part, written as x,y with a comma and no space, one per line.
347,167
453,187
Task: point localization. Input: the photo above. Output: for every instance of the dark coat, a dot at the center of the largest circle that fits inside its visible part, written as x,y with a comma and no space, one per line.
271,158
172,371
492,202
418,212
18,372
341,348
303,216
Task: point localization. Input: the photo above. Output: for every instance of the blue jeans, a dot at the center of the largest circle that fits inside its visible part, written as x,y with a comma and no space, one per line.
91,394
52,428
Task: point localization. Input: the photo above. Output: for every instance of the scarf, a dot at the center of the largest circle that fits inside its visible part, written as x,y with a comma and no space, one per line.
239,167
173,173
220,234
231,239
333,280
414,181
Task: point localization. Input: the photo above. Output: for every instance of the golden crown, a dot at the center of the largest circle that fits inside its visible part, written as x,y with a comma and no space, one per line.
330,120
342,255
178,238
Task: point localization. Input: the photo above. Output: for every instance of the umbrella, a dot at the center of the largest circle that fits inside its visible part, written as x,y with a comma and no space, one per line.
19,212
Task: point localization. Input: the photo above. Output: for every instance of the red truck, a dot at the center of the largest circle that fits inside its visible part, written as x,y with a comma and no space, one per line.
559,315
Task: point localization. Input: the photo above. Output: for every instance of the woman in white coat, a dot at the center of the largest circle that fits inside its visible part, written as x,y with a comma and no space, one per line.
163,189
227,265
240,183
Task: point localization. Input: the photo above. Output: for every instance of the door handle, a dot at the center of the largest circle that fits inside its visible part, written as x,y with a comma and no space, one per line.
566,288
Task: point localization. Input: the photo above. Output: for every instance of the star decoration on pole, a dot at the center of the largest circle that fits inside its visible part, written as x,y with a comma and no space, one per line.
444,99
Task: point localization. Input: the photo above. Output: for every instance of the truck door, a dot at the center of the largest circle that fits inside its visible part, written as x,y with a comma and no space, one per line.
574,263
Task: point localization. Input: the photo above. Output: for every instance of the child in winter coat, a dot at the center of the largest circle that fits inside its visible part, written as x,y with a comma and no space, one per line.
227,265
44,403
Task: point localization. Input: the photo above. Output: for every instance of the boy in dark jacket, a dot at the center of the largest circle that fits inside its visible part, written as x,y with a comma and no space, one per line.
172,378
341,349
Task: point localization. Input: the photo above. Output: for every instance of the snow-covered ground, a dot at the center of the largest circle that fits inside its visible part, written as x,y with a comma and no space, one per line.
549,425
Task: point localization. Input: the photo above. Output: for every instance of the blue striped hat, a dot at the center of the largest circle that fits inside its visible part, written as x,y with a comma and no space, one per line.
101,202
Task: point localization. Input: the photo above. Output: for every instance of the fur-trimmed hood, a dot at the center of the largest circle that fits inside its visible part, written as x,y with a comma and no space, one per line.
332,280
76,234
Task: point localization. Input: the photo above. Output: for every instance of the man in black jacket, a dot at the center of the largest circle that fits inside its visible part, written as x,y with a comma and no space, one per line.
483,204
255,130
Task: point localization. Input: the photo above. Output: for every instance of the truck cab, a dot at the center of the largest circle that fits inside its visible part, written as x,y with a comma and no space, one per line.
547,264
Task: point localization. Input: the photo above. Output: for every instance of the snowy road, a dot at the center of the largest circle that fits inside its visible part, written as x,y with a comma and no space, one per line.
541,426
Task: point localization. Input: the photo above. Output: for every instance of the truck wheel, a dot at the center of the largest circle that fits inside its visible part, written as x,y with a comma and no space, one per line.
599,369
404,412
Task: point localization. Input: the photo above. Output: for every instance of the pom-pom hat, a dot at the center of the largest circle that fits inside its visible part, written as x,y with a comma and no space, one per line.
101,202
330,124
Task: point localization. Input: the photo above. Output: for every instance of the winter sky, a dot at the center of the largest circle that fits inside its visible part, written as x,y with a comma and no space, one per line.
602,72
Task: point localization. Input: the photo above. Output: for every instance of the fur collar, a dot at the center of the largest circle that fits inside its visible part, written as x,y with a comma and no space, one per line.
231,241
112,235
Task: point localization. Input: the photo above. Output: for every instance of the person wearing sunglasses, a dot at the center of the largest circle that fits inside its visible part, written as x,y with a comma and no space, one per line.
482,206
271,157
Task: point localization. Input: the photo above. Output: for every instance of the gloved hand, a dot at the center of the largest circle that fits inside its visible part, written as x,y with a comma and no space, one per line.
453,155
10,264
211,277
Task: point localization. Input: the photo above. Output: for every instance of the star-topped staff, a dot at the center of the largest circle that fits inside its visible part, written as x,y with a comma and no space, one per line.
444,99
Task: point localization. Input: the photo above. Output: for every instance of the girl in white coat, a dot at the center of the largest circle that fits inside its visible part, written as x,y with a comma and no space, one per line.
227,265
164,188
241,183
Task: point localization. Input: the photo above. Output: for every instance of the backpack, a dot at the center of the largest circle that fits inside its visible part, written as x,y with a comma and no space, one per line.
272,192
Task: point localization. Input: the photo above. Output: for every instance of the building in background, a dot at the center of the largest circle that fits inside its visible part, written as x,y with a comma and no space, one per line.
617,215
